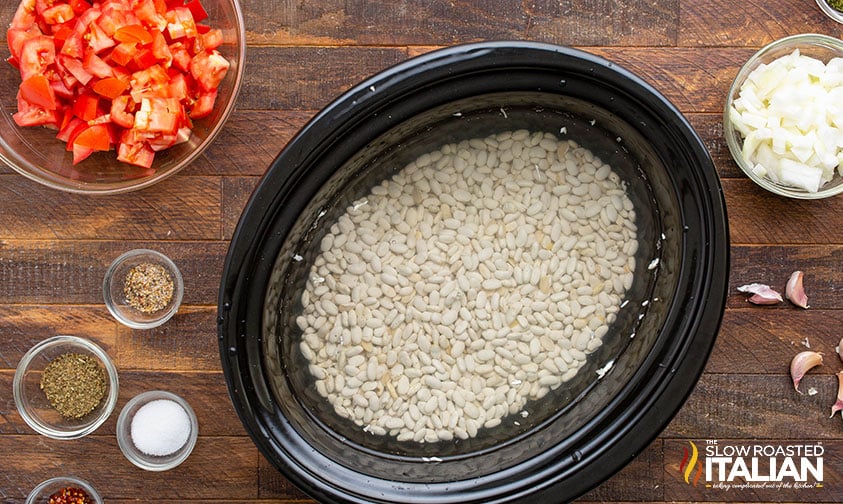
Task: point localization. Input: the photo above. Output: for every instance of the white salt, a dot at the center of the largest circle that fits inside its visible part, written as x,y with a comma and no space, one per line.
160,427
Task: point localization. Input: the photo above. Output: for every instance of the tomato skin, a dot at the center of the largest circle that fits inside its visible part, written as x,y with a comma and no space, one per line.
203,105
79,6
110,87
37,91
24,17
86,107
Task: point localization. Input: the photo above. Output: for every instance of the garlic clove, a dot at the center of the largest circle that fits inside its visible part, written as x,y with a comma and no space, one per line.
761,294
838,405
840,349
794,291
801,364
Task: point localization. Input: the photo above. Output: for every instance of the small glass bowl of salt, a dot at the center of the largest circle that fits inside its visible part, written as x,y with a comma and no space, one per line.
157,430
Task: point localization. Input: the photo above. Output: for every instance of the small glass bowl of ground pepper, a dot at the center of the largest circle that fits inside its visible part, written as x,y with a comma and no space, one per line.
64,490
65,387
832,9
143,289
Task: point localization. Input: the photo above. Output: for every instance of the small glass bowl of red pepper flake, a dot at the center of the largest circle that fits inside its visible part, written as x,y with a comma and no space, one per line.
64,490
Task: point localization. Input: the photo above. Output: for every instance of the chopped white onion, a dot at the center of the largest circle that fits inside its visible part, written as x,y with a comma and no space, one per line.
790,114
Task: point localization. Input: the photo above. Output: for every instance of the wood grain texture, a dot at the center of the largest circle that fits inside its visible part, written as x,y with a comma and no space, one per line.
71,271
631,22
222,468
205,391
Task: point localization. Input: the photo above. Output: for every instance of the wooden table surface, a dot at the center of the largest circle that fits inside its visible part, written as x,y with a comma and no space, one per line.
55,247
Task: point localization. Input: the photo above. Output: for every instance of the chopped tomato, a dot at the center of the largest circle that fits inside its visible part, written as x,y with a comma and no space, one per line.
24,17
86,107
124,74
37,54
37,91
79,6
96,66
110,87
199,13
58,14
135,33
203,105
209,68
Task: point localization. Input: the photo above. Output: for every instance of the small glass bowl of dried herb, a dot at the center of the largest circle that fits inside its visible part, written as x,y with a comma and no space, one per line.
65,387
832,9
143,289
64,490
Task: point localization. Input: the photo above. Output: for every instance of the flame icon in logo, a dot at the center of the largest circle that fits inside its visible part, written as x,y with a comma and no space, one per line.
689,463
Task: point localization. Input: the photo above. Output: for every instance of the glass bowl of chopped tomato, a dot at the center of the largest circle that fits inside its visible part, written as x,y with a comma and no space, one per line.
64,490
65,387
114,96
782,117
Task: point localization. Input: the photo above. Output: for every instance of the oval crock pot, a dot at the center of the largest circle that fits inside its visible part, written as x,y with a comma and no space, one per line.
564,452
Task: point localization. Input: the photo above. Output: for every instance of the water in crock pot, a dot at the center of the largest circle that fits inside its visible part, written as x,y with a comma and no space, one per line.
477,278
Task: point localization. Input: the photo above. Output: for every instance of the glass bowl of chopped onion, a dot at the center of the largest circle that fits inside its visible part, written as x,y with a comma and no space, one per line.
115,105
65,387
783,118
64,489
143,288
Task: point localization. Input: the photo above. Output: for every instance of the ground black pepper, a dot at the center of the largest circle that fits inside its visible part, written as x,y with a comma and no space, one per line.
70,495
148,288
74,384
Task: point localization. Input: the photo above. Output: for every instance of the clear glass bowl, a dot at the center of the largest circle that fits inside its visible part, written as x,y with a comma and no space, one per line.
818,46
32,403
38,155
141,459
830,11
41,493
115,297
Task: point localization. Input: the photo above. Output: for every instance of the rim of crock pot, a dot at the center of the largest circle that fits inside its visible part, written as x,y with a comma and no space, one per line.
671,369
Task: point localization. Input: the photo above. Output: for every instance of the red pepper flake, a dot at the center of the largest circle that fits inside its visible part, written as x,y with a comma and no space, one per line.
70,495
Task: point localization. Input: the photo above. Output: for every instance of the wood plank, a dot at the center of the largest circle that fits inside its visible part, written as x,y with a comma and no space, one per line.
219,468
758,216
188,341
179,208
250,141
206,393
709,127
374,23
694,79
71,272
283,77
773,265
719,23
236,192
642,478
757,340
23,327
762,406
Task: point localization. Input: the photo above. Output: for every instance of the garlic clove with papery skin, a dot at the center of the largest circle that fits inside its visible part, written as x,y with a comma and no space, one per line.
838,405
801,364
761,294
794,291
840,349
